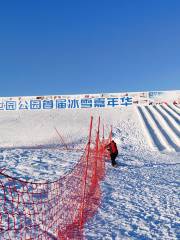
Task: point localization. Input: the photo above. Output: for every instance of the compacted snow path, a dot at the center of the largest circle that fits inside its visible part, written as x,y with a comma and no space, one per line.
140,198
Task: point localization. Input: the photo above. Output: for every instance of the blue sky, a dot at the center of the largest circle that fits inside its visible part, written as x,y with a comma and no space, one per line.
88,46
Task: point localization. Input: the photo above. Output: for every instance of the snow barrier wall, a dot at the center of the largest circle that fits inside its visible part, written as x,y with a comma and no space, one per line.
88,101
55,210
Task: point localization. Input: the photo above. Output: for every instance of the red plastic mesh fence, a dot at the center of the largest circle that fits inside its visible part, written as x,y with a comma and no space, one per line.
54,210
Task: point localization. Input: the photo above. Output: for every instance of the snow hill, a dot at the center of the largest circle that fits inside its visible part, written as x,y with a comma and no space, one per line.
140,196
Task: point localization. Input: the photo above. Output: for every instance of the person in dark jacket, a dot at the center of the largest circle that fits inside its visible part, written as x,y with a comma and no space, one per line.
112,148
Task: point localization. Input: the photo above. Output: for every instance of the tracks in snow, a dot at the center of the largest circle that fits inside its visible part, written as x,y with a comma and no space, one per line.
162,126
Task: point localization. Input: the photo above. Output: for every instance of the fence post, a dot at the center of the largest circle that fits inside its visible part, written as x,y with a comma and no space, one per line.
85,177
97,147
110,137
62,140
97,137
103,133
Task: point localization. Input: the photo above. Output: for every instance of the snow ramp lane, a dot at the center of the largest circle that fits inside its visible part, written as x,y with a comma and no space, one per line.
161,125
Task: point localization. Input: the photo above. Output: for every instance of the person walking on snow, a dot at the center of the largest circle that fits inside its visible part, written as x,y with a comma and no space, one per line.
112,148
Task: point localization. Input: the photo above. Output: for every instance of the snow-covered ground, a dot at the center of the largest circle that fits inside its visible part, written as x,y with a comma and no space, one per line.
140,197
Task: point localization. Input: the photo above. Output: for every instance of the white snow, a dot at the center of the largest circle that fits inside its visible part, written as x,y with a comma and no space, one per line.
140,197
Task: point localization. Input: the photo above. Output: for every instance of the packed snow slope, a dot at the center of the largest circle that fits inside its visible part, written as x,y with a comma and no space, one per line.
140,197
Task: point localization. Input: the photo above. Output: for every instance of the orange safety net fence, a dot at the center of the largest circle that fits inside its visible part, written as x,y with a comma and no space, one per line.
54,210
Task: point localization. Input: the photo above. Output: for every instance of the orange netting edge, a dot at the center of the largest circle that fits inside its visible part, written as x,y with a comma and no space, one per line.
59,209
